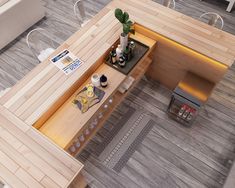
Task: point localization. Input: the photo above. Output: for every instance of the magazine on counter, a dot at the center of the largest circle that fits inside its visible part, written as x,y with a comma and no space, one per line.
66,61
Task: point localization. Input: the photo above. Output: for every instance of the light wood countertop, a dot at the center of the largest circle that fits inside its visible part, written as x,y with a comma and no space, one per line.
29,159
39,90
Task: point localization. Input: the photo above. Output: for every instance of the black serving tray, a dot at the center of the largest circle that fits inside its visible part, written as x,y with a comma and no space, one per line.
140,50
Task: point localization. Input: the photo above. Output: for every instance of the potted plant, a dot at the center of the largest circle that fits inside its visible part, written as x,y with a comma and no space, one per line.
123,18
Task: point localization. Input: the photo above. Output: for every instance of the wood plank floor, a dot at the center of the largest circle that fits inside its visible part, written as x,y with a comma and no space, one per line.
171,155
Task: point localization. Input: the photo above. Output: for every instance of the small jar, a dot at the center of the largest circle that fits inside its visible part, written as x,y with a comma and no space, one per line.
77,144
103,81
95,122
122,62
95,80
100,115
106,106
91,126
111,100
82,138
72,149
87,132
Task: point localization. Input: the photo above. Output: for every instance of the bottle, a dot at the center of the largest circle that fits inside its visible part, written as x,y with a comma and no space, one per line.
103,81
191,114
132,48
186,113
112,50
114,58
127,54
119,52
113,55
182,110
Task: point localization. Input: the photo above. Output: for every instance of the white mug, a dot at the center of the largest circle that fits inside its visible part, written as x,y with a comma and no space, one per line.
95,80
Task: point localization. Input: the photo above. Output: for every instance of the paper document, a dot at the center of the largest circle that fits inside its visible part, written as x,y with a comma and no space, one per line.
66,61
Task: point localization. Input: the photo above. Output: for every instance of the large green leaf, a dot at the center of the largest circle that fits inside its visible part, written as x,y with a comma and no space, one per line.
125,17
119,15
126,28
129,22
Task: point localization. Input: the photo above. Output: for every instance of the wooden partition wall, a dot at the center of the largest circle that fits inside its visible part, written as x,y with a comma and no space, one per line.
172,61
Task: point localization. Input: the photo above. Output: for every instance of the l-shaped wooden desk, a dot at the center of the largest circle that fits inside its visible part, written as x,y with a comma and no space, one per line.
38,123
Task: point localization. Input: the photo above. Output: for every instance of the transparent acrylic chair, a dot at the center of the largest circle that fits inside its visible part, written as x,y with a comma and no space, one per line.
81,13
213,19
40,43
169,3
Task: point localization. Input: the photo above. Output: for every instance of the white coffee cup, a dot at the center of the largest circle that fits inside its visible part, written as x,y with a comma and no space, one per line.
95,80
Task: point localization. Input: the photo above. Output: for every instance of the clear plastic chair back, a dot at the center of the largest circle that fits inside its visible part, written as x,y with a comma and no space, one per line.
40,43
81,12
169,3
213,19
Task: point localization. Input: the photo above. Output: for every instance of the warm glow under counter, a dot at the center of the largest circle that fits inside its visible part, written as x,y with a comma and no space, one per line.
68,120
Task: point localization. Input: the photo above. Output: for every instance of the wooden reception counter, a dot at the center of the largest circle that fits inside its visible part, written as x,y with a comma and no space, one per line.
42,99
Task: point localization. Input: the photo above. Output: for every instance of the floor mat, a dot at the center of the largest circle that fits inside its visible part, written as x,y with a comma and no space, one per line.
126,141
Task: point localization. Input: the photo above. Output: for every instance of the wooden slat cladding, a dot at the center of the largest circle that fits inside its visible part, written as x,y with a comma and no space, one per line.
28,159
176,60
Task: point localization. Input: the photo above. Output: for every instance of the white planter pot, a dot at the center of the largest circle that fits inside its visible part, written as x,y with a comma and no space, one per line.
123,41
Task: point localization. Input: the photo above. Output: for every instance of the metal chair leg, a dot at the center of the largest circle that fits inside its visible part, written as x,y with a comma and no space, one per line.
230,5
